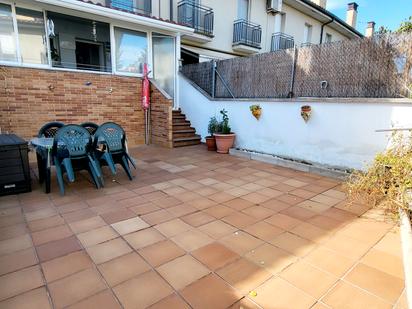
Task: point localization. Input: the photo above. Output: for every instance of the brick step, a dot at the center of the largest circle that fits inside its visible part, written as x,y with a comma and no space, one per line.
184,133
186,141
181,124
179,116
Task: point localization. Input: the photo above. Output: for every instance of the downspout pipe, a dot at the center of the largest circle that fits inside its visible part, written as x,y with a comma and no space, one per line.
171,10
321,29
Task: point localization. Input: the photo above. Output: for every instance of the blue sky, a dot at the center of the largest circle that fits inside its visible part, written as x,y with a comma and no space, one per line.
389,13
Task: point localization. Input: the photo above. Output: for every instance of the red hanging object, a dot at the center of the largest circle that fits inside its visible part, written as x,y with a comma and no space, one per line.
145,88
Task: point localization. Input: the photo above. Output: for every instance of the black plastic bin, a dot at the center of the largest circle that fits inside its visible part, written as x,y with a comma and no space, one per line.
14,165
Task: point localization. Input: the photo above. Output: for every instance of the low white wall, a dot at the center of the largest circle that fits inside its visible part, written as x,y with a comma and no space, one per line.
339,134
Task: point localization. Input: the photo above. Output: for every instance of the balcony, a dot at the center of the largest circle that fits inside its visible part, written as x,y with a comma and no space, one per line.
247,36
281,41
143,7
198,17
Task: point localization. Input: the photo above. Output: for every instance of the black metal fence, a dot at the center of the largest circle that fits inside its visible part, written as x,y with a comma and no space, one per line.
247,33
376,67
198,17
281,41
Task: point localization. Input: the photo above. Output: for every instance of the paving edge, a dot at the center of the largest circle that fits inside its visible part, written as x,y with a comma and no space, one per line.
300,166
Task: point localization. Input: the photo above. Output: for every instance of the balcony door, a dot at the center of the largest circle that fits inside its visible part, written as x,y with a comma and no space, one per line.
243,9
164,61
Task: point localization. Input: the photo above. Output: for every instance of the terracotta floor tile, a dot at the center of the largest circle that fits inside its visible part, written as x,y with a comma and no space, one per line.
303,193
97,236
252,186
66,265
330,261
303,276
171,302
201,203
144,209
142,291
215,255
198,218
118,215
191,240
167,202
20,281
57,248
244,275
382,261
13,231
41,214
239,219
217,229
210,292
244,303
161,252
54,233
79,215
326,223
17,260
258,212
283,221
35,299
377,282
278,293
182,271
390,243
123,268
237,191
102,300
144,238
172,227
263,230
298,213
275,205
129,225
14,244
347,246
292,243
221,197
46,223
69,207
219,211
256,198
326,200
271,258
157,217
241,242
70,290
311,232
108,250
347,296
238,204
85,225
283,187
295,183
290,199
313,206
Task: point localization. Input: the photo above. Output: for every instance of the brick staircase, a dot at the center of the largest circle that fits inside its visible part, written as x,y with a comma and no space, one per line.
183,133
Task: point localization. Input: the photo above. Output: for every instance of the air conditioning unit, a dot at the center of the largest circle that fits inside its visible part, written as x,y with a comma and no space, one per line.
274,6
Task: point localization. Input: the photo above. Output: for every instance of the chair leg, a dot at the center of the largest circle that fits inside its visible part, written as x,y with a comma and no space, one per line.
131,160
59,175
40,167
109,160
99,169
94,176
126,167
69,169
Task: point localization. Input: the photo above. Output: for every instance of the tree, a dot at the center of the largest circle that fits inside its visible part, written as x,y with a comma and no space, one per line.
406,26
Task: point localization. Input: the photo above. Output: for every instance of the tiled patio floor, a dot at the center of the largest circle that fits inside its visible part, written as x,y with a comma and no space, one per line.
197,229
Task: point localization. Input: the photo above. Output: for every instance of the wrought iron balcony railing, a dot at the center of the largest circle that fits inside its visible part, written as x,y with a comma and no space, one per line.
135,6
307,44
196,16
281,41
247,33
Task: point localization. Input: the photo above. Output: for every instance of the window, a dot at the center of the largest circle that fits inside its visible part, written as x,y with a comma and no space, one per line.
164,61
32,36
307,33
131,50
8,50
243,9
78,43
328,38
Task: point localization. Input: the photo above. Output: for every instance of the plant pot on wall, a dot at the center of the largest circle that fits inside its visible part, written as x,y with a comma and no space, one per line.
256,111
224,142
211,143
306,112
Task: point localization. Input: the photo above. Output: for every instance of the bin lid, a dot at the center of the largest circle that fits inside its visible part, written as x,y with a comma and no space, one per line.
11,139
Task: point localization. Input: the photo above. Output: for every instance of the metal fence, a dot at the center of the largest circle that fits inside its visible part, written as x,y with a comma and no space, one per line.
370,67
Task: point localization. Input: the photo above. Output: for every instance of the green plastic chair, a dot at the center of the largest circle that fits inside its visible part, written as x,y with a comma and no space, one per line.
113,138
71,152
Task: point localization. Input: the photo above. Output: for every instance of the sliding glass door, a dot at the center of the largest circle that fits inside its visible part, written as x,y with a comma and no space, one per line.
164,62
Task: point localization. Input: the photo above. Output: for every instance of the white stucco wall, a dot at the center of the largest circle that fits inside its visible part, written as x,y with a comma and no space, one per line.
339,134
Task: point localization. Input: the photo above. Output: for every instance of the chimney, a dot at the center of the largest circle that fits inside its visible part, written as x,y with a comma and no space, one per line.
352,14
321,3
370,29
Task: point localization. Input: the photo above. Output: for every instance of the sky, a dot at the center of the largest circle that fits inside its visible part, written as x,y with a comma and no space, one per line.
388,13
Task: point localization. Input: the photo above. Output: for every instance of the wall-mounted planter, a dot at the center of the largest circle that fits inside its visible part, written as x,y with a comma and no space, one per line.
306,112
256,111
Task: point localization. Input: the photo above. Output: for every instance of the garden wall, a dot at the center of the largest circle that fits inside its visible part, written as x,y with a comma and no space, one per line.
341,132
31,97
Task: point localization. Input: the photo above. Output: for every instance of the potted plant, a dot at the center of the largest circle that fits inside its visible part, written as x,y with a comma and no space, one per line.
387,184
212,127
256,110
224,137
305,112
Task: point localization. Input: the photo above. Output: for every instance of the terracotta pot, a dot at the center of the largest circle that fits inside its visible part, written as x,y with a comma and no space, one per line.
211,143
257,113
305,112
224,142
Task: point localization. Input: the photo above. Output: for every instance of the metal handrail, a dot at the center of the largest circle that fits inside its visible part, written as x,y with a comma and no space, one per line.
247,33
131,6
282,41
198,17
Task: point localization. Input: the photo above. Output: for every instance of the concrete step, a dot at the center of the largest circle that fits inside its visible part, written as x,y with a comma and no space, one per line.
186,141
184,133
